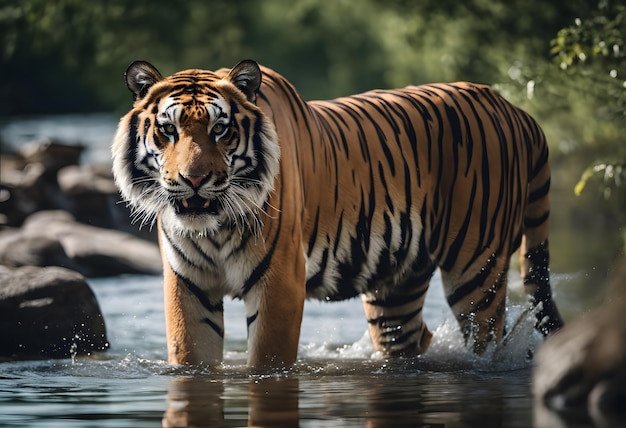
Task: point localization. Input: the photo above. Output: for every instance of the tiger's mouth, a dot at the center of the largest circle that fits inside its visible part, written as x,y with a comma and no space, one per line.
198,205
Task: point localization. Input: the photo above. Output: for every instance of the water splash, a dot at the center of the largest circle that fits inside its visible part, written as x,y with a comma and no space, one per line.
73,352
448,351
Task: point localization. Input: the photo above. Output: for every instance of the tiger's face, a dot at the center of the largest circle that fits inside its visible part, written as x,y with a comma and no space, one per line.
195,149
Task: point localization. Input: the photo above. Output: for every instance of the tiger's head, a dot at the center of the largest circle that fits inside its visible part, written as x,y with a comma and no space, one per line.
195,149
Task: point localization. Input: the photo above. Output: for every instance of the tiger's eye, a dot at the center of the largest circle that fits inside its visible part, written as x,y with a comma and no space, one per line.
168,129
219,128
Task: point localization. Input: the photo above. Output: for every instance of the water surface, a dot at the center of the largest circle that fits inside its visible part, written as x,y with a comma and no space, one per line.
338,380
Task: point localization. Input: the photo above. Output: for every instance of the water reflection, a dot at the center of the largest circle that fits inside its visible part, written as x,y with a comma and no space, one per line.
273,402
200,402
391,398
194,402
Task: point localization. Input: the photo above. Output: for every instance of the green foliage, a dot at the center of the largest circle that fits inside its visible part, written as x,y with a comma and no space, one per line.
70,55
593,52
59,56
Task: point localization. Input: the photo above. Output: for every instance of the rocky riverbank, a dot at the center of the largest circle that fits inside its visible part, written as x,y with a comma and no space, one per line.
61,221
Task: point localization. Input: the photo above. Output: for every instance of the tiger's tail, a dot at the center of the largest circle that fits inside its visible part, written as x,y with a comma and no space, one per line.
534,253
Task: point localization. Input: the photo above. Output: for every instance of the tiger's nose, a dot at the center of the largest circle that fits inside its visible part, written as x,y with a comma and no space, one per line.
195,180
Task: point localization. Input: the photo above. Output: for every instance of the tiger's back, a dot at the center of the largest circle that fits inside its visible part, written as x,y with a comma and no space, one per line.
399,182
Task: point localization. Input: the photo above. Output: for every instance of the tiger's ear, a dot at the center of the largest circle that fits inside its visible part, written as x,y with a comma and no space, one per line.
140,76
247,77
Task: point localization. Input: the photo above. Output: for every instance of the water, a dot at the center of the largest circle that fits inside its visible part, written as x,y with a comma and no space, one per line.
93,131
338,380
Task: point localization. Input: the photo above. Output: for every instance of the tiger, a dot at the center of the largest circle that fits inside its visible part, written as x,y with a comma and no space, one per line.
261,196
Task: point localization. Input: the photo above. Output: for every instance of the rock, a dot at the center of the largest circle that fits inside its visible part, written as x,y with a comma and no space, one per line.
91,195
29,179
21,250
75,180
48,313
53,154
55,238
582,368
46,176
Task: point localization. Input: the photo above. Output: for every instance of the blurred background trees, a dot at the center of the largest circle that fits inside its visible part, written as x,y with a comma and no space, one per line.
561,60
69,55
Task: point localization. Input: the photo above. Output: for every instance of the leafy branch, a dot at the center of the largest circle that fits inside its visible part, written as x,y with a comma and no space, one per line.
594,49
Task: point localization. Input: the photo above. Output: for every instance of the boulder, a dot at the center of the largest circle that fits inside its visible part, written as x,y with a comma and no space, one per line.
52,153
29,178
55,238
75,180
582,367
92,198
48,313
46,175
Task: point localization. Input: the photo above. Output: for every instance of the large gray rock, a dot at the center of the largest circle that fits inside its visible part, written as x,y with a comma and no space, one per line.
55,238
48,313
582,368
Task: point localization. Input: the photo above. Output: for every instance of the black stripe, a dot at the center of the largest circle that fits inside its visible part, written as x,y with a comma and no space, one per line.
219,330
313,236
384,321
317,280
459,240
383,182
200,251
264,264
398,340
325,113
536,222
179,252
200,295
392,301
539,192
338,234
382,137
465,289
406,226
131,149
387,233
490,294
252,318
543,160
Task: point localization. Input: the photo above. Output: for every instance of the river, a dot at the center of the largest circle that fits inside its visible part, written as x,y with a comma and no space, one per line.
338,381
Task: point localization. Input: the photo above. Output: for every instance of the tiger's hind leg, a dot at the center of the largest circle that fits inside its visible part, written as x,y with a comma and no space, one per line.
395,321
534,254
477,297
535,271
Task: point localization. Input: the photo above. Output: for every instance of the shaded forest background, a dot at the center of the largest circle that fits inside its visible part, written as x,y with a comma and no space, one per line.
69,55
561,60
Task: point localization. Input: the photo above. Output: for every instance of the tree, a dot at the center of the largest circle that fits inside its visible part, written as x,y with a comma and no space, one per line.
593,51
592,54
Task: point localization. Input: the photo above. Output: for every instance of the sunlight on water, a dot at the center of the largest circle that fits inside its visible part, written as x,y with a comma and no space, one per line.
330,332
448,350
335,341
338,380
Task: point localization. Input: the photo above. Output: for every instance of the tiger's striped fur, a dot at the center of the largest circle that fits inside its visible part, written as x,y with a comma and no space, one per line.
262,196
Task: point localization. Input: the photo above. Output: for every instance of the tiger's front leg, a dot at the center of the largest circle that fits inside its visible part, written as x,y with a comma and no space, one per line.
274,308
194,322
